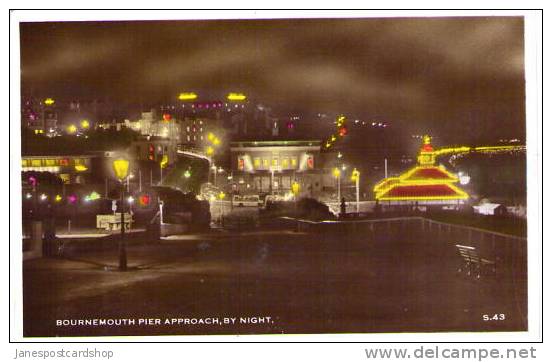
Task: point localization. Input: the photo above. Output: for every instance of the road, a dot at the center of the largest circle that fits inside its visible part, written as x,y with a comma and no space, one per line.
290,282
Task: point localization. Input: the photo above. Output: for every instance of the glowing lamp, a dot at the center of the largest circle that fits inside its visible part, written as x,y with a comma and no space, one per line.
187,96
187,174
355,175
120,167
28,195
210,150
166,117
81,168
336,172
92,196
236,97
216,141
342,131
71,129
210,136
49,101
58,198
144,200
72,199
130,199
85,124
221,195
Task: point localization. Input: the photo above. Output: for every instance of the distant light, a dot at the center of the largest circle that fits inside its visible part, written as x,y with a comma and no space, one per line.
144,200
85,124
71,129
58,198
187,96
236,97
28,195
43,197
187,174
80,168
130,199
464,179
92,196
49,101
166,117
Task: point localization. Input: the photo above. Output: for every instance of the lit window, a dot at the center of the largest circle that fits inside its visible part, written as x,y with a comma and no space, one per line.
285,163
294,162
265,162
256,162
275,162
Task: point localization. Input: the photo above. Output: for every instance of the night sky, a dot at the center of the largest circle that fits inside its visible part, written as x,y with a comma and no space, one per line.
452,76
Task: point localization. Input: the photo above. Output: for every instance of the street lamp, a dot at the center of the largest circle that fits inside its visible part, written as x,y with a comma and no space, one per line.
221,197
120,167
337,175
355,176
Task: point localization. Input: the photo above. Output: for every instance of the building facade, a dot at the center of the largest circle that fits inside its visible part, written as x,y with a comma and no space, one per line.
262,167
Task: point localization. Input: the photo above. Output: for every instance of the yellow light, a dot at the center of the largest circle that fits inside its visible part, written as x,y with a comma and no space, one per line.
80,168
58,198
236,97
187,96
355,176
49,101
85,124
336,172
295,187
210,150
333,138
71,129
164,161
210,136
120,166
216,141
427,139
221,195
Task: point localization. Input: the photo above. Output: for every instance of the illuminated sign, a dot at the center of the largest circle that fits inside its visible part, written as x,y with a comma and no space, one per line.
187,96
236,97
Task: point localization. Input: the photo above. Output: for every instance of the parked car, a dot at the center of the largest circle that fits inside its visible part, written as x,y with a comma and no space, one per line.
247,200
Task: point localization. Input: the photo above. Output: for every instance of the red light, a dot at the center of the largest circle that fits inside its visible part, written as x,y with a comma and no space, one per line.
343,131
167,117
144,200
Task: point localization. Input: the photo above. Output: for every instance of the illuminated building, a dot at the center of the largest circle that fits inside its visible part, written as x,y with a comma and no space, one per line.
425,183
71,169
272,166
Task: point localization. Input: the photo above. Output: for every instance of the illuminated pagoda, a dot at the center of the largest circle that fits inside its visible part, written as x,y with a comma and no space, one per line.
425,183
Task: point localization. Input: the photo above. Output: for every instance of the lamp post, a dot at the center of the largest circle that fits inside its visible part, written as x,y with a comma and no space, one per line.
337,175
120,166
356,178
221,197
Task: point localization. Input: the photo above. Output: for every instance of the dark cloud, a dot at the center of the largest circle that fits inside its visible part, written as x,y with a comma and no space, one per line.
423,72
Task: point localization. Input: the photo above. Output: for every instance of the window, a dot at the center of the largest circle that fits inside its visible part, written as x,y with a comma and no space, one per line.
265,162
275,162
294,162
285,163
257,162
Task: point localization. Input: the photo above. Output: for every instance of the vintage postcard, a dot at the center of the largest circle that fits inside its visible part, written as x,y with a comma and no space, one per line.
301,175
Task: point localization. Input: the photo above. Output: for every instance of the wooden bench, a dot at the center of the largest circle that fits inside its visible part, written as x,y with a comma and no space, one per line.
472,263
